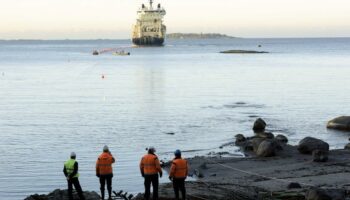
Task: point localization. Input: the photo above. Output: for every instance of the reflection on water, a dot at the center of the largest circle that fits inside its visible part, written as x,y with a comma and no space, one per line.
150,87
54,101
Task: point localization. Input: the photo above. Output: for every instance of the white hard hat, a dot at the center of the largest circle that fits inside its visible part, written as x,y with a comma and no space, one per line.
73,154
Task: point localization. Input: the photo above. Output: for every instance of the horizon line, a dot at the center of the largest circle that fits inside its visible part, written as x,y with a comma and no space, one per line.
233,38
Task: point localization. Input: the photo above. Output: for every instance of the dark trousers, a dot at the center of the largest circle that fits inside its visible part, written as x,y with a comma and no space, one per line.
103,180
75,182
155,182
179,184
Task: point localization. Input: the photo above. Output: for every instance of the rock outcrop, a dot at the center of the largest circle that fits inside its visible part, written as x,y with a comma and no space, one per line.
340,123
325,194
239,139
259,125
267,135
267,148
63,195
256,141
309,144
282,139
347,146
294,185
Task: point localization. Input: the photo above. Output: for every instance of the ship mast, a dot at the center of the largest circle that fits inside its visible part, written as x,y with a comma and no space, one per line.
150,3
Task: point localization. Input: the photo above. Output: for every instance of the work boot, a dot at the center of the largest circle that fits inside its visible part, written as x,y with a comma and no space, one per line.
102,194
109,194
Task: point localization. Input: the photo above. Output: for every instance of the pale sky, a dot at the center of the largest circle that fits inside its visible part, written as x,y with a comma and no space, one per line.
113,19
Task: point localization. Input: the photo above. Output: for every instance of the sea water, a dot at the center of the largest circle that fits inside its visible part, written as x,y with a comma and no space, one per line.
56,97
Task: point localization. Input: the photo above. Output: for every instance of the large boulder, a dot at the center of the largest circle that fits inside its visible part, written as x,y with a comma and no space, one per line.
325,194
63,195
259,125
255,142
240,139
267,135
267,148
281,139
294,185
347,146
309,144
247,146
340,123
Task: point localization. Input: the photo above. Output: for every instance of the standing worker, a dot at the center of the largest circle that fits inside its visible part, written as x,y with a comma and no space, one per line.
178,174
104,171
150,167
70,170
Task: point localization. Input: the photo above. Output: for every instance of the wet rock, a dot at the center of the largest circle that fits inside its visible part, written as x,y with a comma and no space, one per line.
282,139
319,155
309,144
340,123
267,148
198,173
347,146
240,138
267,135
279,147
259,125
293,185
170,133
325,194
63,195
248,146
256,143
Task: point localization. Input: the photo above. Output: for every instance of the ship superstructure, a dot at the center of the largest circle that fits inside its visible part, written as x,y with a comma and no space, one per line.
149,28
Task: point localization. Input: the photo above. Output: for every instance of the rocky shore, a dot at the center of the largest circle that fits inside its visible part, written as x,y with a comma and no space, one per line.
62,195
272,169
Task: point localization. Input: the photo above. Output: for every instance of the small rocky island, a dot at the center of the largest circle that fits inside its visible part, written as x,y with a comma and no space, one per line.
198,36
242,52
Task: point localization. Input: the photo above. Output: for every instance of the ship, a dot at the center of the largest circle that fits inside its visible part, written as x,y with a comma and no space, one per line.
149,29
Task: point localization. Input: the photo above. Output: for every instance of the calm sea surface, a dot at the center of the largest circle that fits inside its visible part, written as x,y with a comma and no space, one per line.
54,101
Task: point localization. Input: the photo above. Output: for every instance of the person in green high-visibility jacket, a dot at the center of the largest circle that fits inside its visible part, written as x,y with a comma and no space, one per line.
70,170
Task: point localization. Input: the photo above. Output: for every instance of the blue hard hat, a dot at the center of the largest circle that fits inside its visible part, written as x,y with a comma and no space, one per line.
177,152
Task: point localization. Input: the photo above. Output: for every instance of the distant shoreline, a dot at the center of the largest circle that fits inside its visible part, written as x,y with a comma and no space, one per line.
198,36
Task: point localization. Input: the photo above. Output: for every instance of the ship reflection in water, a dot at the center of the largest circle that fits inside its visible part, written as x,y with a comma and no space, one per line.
149,29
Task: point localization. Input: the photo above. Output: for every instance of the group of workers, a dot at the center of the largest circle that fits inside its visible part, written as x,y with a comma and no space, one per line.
149,167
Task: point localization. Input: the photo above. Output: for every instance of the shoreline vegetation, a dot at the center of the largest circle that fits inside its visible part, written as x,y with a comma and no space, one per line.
271,169
198,36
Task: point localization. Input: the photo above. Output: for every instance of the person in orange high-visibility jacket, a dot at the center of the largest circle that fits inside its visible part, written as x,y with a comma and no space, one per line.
178,174
150,168
104,171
